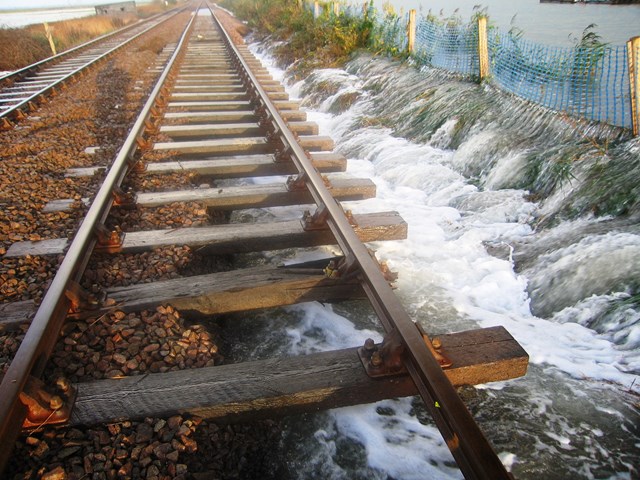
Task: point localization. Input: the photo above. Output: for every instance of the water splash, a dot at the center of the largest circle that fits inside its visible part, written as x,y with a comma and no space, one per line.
504,203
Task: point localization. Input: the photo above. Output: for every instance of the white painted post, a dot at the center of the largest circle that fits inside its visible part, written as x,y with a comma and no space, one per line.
316,9
633,55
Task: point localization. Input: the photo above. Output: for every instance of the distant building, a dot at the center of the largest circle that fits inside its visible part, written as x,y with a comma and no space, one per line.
119,8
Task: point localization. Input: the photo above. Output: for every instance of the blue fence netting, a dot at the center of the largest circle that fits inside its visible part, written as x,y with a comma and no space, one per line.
448,46
591,82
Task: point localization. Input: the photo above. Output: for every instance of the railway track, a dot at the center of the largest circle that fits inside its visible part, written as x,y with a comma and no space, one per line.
218,119
23,90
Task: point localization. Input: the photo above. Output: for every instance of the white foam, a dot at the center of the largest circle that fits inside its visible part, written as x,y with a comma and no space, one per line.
395,441
448,280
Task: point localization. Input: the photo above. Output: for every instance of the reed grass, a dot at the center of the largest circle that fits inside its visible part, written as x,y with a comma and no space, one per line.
157,6
307,43
20,47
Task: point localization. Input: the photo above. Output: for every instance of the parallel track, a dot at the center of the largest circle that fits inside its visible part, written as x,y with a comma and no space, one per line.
207,80
23,90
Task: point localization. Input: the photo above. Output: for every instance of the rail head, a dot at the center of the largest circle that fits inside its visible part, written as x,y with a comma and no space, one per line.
470,448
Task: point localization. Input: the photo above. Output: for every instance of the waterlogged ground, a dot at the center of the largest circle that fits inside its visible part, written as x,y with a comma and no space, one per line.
497,230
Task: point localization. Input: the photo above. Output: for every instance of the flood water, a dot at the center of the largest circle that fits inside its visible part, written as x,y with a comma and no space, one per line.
460,162
548,23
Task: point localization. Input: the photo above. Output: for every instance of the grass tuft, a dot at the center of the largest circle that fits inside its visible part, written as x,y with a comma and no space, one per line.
307,43
20,47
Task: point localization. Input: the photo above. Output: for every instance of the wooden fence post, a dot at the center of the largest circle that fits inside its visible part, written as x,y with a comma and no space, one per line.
483,48
633,54
316,9
411,32
47,32
336,9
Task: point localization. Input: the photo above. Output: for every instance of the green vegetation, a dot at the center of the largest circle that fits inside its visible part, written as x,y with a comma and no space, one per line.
588,52
390,33
308,44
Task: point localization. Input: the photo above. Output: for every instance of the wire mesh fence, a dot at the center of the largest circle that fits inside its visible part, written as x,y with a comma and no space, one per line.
448,46
590,80
584,81
592,83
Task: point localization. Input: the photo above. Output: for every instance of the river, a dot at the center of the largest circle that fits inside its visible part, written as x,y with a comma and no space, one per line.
29,17
23,15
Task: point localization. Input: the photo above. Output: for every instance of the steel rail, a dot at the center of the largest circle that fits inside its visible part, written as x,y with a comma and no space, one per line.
44,331
25,102
468,445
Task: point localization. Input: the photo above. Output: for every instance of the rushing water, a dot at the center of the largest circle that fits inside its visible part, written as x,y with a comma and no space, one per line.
501,200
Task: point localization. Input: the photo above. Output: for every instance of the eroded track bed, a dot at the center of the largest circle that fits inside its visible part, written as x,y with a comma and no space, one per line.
220,181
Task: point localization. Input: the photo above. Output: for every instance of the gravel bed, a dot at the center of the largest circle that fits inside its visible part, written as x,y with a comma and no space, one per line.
97,112
175,215
106,270
160,183
120,344
177,447
94,112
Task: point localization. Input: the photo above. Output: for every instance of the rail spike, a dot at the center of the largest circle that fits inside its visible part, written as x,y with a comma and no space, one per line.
315,221
143,144
387,358
318,220
283,155
347,267
109,241
123,199
81,299
342,268
6,124
47,405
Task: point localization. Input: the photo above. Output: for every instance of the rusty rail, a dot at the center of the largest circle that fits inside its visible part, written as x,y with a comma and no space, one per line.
468,445
43,333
